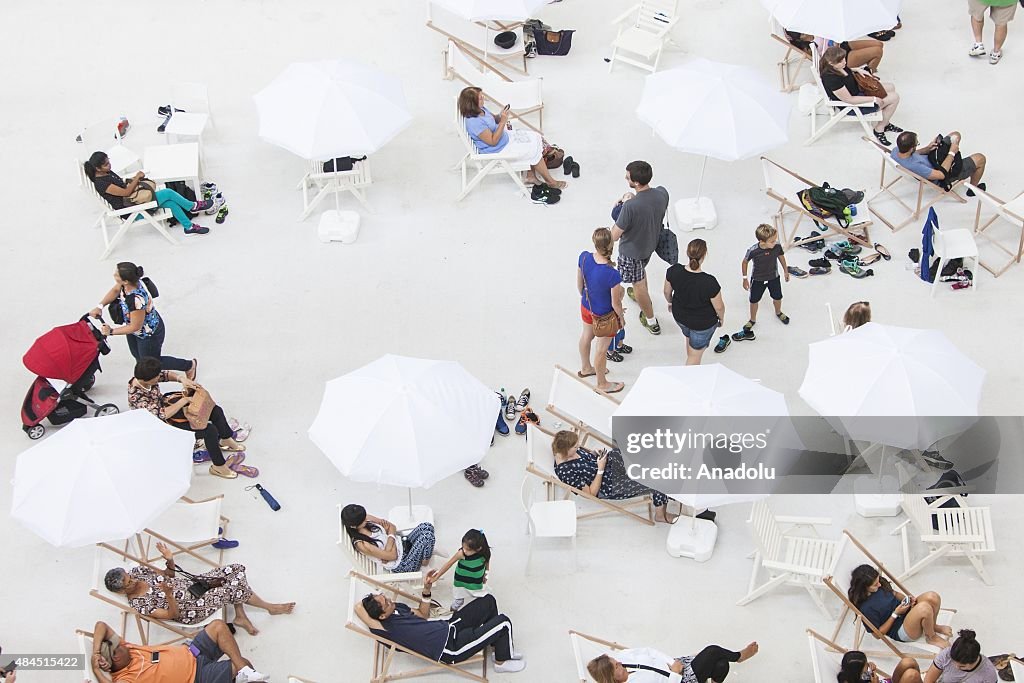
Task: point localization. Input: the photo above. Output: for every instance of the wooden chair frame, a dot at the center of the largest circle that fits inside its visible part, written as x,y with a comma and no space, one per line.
813,636
492,57
791,206
923,185
586,431
451,72
792,62
862,625
553,484
1009,215
581,666
384,650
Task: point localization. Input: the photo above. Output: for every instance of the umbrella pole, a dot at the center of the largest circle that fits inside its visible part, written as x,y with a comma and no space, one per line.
700,184
410,502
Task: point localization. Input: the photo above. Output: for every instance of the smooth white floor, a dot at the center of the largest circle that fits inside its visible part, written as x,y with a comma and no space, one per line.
272,313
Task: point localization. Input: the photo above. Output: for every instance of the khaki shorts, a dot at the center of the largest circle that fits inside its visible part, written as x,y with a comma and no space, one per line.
999,15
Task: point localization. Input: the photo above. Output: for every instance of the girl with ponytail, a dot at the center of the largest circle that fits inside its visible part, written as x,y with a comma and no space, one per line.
695,300
962,662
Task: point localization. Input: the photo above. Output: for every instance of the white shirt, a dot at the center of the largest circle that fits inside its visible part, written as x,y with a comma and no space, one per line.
648,657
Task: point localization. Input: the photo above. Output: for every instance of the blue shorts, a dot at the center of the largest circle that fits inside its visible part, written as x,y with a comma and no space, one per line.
774,287
208,668
699,339
865,111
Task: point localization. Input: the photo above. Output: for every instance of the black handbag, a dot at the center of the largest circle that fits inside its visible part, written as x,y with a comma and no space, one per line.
557,43
200,584
668,247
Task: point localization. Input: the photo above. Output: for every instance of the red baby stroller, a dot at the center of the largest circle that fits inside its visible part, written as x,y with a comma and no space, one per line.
70,353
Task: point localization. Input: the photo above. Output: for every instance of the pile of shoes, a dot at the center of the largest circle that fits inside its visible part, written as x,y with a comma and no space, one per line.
813,246
220,204
962,279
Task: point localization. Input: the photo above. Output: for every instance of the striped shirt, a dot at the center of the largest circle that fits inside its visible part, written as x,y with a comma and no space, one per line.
469,573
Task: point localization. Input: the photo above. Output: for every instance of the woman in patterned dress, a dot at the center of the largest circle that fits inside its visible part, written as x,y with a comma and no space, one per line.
163,595
601,474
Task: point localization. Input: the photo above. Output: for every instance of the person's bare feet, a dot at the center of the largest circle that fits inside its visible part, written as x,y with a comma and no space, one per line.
531,179
282,608
938,641
243,621
944,630
611,387
560,184
749,651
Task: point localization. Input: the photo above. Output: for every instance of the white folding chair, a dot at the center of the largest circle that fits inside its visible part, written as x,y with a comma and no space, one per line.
586,648
1011,212
586,408
368,566
325,183
644,29
921,184
836,111
194,98
103,136
497,163
524,97
125,219
477,38
789,559
951,244
794,59
960,531
548,519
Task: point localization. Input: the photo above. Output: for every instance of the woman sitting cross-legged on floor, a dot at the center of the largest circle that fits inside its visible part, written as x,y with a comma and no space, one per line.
647,665
144,392
379,539
603,474
900,619
490,134
165,595
117,193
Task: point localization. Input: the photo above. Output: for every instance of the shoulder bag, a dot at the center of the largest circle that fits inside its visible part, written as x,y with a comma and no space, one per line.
200,584
604,325
869,85
144,193
198,411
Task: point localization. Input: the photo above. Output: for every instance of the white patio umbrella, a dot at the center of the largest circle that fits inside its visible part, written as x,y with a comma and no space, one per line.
101,479
836,19
405,421
492,10
332,108
878,371
718,110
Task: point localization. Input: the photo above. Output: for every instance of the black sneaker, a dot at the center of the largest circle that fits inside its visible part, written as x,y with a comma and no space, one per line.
935,459
196,229
723,343
524,400
819,263
540,196
614,356
744,335
981,186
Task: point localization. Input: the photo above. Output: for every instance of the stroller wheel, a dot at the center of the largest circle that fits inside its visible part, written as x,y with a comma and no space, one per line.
35,432
107,409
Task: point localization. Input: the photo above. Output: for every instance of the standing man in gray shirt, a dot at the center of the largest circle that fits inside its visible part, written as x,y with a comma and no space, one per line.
637,230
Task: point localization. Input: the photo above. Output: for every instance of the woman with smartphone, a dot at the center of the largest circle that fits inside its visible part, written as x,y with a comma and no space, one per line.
901,617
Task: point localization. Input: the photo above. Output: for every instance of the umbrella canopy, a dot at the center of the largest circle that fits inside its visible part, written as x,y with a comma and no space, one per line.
101,479
720,110
711,390
405,421
836,19
490,10
901,372
332,108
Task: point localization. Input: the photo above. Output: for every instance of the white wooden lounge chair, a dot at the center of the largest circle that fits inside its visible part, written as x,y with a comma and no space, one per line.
923,186
367,566
128,218
793,61
586,648
644,29
477,38
790,559
497,163
540,463
782,185
103,136
855,554
836,111
1011,212
385,651
583,406
524,97
325,183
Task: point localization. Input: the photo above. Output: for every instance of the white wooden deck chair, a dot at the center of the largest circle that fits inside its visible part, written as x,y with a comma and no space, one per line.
194,98
586,648
477,38
325,183
643,31
855,554
793,61
962,531
836,111
922,185
524,97
1011,212
540,463
583,406
827,658
126,219
102,136
782,185
548,519
385,651
789,559
504,162
365,565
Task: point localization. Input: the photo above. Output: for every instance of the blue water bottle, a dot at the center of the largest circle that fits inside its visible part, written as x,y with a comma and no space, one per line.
271,501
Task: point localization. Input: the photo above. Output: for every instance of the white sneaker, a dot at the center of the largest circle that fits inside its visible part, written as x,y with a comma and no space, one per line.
457,604
978,50
995,57
510,667
249,675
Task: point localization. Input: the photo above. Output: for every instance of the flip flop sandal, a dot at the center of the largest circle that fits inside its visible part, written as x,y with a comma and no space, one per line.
616,388
575,170
870,258
235,459
797,272
567,165
579,373
233,449
221,474
240,430
614,356
245,471
723,343
883,251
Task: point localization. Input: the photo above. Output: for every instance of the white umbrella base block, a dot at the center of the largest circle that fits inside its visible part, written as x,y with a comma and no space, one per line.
338,226
403,521
877,504
695,213
693,538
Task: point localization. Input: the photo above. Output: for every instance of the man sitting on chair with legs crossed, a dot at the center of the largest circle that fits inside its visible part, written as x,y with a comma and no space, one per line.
467,632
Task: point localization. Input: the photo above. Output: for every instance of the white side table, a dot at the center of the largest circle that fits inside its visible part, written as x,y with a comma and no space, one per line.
165,163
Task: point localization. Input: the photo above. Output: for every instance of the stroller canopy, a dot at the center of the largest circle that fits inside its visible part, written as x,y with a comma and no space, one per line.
64,352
